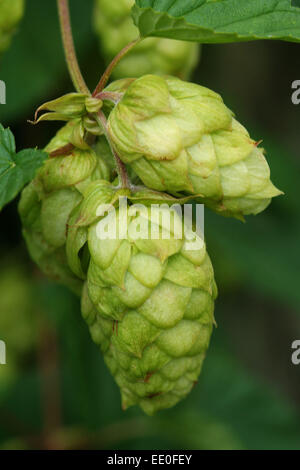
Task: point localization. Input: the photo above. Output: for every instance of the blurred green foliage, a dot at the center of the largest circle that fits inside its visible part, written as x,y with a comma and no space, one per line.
61,394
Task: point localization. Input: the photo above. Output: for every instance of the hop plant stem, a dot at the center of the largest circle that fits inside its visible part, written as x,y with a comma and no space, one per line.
69,48
110,96
121,168
105,77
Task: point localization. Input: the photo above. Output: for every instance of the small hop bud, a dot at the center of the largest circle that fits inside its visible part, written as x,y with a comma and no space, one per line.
93,105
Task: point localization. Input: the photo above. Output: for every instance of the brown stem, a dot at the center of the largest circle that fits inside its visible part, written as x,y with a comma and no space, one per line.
65,150
105,77
110,96
121,168
69,48
68,148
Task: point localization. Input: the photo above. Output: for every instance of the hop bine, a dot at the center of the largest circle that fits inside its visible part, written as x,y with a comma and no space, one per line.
147,295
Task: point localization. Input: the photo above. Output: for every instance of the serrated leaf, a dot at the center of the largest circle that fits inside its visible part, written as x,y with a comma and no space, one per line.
218,21
7,141
16,169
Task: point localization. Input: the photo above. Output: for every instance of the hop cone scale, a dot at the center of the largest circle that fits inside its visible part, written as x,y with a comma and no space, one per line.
116,29
11,11
148,302
47,202
180,137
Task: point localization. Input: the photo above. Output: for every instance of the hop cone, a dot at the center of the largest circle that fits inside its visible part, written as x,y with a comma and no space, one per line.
116,29
11,11
148,302
47,202
180,137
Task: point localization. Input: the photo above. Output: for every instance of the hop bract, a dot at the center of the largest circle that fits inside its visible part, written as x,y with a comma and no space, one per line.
148,301
180,137
47,202
11,11
114,24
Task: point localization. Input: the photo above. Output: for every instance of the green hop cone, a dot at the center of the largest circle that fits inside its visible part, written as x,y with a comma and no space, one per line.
180,137
115,27
11,12
47,202
148,301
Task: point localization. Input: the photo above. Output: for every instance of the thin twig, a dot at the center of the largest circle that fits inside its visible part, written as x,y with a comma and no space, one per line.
105,77
121,168
109,96
62,151
69,48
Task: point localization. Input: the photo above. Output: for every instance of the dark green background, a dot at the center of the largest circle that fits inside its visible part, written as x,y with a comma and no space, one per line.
248,396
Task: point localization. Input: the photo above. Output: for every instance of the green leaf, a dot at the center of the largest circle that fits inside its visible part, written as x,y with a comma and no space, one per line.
16,169
218,21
